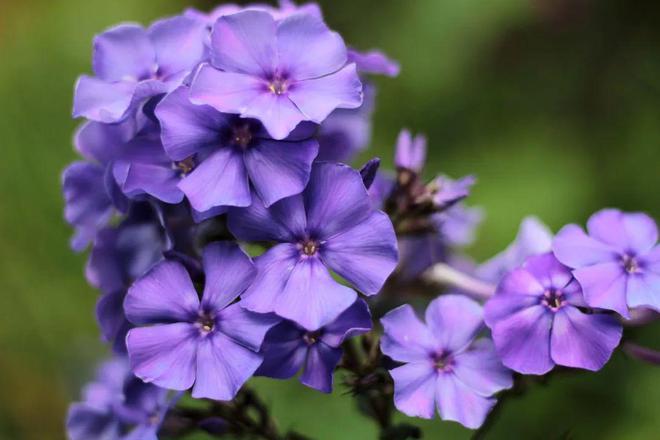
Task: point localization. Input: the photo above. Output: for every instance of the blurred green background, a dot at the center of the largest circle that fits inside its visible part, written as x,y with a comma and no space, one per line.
554,104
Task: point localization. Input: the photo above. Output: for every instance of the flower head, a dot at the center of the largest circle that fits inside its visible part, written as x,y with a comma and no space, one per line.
443,364
228,154
331,225
117,405
181,342
132,64
617,262
280,72
538,318
288,347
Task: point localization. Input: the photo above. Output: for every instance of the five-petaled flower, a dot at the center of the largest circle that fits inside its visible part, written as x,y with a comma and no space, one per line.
229,154
617,263
181,342
331,225
443,364
289,347
538,318
133,64
280,72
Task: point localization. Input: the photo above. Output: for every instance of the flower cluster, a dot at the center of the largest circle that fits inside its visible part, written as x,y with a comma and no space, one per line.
229,238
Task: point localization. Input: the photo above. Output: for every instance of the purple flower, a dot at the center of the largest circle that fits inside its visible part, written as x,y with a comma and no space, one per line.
121,255
447,192
141,167
181,341
410,153
346,132
374,62
117,405
226,154
133,64
538,319
458,224
280,72
331,225
533,238
443,364
90,193
87,205
285,9
617,262
289,347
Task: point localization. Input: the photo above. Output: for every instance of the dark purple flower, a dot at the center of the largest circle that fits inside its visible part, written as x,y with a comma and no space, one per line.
289,347
87,205
117,405
617,262
331,225
533,238
227,154
141,167
91,196
538,320
121,255
279,72
373,62
181,341
410,153
132,64
444,366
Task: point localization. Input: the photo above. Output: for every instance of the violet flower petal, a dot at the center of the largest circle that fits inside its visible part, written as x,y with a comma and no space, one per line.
164,354
229,271
164,294
220,180
523,340
280,169
583,341
223,366
406,338
454,321
365,254
414,389
319,367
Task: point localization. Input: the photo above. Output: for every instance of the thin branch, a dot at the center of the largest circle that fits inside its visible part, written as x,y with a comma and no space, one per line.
446,275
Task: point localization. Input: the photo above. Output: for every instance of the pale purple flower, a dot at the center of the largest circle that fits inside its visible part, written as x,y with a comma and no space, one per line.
617,262
289,347
132,64
181,342
443,365
117,406
285,9
539,319
374,62
228,155
447,191
410,153
458,224
281,72
533,238
331,225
